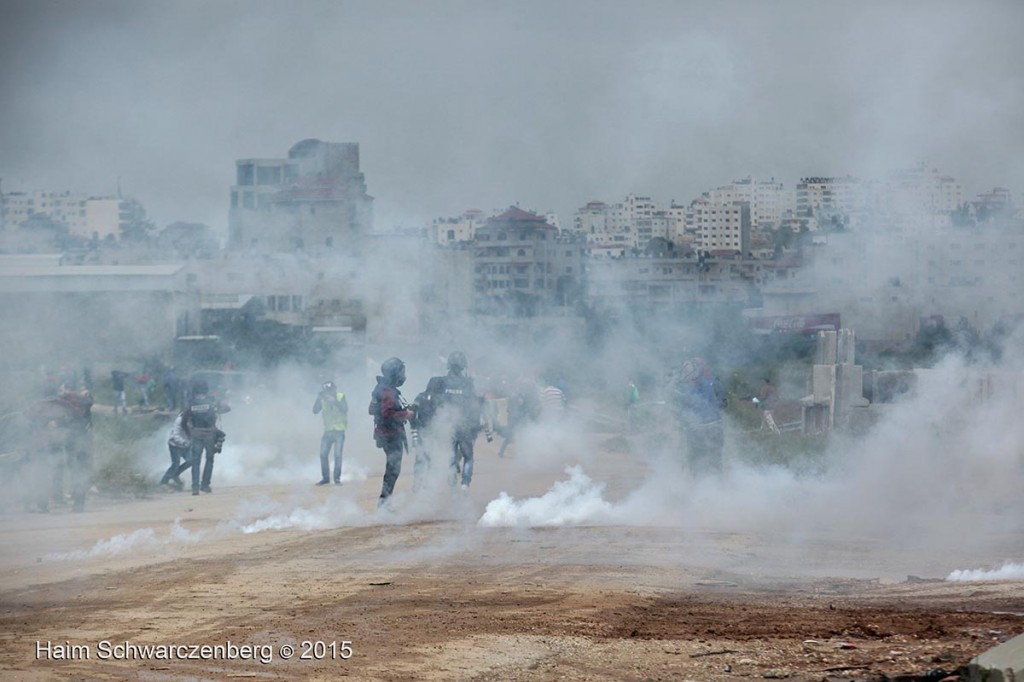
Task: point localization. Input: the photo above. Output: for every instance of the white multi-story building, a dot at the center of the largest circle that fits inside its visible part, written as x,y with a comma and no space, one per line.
921,190
450,231
630,224
85,216
769,201
719,227
824,197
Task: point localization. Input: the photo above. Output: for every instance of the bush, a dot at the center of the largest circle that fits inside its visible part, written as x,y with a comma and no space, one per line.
116,446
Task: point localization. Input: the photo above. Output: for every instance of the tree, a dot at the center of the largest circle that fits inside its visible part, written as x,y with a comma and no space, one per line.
135,226
188,239
659,247
41,232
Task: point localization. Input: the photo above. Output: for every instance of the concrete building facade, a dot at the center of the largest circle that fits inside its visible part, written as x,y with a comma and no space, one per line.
523,265
313,201
445,232
84,216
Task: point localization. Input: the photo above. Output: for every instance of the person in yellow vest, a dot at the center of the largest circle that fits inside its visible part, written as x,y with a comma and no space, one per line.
332,404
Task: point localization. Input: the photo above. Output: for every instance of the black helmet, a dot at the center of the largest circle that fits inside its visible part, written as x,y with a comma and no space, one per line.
393,370
457,362
200,387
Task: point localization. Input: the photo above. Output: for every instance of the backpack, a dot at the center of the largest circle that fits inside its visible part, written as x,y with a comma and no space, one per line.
374,407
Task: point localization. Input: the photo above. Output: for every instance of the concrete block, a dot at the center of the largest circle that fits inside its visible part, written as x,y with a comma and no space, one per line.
850,382
823,383
846,344
1003,663
825,351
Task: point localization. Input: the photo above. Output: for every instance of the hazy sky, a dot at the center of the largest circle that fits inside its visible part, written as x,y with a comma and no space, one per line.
483,104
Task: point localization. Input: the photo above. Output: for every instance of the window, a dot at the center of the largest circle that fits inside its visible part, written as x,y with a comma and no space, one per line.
245,174
268,175
329,242
451,235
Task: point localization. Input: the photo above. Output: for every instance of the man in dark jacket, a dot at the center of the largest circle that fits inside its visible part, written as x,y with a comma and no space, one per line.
455,398
200,421
390,413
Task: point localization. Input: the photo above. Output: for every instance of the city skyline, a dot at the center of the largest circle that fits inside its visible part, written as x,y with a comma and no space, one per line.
457,105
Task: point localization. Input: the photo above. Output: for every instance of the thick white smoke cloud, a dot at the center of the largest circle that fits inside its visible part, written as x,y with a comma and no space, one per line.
1008,571
940,471
141,540
576,501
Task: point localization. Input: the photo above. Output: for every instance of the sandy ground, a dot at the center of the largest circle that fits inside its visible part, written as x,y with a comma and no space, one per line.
436,596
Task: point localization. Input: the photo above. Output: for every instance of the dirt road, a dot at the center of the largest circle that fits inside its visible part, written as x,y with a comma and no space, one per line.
254,573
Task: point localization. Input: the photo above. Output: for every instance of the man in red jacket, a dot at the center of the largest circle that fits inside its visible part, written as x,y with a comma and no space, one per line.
390,413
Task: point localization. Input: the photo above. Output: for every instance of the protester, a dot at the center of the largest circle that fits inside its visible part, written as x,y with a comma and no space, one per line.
697,398
171,388
331,403
117,379
524,406
390,413
180,445
66,420
200,422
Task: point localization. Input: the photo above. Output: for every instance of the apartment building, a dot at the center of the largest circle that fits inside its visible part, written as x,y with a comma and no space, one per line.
719,227
313,201
522,265
824,197
692,281
85,216
769,200
450,231
630,224
921,190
